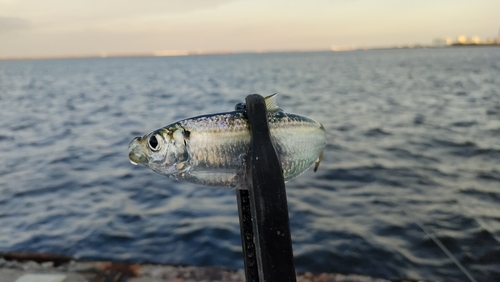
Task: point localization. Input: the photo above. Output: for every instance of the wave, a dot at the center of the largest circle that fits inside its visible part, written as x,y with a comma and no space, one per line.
6,138
376,132
405,154
492,175
466,148
463,123
395,176
481,194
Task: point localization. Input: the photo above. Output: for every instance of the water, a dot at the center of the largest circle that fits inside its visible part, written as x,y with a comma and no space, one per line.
413,135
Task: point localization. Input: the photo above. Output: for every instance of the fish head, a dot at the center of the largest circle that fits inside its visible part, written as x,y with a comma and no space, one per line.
163,151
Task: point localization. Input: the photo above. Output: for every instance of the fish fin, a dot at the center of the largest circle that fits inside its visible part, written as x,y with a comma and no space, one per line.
271,103
317,162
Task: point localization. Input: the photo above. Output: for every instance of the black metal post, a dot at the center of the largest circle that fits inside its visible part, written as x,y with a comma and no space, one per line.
247,236
268,204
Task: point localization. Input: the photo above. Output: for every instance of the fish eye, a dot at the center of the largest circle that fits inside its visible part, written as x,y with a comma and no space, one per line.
154,143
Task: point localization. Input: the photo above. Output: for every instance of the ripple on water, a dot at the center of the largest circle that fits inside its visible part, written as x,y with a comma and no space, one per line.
405,128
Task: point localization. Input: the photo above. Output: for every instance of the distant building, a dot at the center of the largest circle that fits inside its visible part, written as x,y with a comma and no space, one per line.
475,40
490,40
441,42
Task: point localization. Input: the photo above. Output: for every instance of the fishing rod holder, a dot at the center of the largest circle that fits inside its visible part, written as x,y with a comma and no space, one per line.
262,207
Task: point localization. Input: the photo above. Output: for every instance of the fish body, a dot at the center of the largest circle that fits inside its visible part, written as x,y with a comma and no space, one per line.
211,149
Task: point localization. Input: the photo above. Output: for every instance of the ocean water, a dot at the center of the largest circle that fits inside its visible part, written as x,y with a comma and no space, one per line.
413,138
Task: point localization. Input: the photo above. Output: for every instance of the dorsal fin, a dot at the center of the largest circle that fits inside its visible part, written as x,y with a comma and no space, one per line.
271,103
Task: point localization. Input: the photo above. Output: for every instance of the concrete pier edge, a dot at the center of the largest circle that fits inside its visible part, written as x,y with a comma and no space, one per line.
25,267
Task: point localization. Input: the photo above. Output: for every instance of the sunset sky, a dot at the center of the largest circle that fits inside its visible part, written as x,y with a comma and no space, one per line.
80,27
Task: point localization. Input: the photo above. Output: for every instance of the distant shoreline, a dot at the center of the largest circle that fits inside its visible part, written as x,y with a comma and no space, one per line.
196,53
474,44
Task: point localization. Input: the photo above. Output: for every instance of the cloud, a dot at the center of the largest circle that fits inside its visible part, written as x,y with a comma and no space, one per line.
13,24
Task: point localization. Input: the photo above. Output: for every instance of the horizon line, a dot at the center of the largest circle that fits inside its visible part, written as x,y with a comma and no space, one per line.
159,53
180,53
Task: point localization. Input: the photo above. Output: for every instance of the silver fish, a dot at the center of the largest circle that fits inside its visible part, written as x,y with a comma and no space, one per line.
211,149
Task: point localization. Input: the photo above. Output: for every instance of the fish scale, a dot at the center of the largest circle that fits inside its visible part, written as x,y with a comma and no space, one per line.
216,146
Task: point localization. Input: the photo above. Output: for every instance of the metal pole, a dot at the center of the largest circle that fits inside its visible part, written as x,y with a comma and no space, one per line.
268,204
247,236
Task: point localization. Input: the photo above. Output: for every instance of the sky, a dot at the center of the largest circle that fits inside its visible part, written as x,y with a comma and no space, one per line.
37,28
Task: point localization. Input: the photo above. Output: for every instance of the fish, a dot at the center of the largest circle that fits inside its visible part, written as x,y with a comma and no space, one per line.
211,149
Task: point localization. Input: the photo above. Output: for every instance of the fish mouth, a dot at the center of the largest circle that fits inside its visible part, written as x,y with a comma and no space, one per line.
135,152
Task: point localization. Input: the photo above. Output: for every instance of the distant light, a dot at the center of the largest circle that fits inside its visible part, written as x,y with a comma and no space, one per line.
462,39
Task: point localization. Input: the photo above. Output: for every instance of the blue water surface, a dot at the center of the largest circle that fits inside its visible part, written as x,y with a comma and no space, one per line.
413,138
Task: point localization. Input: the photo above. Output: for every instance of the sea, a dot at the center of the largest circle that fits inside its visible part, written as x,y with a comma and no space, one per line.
412,157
